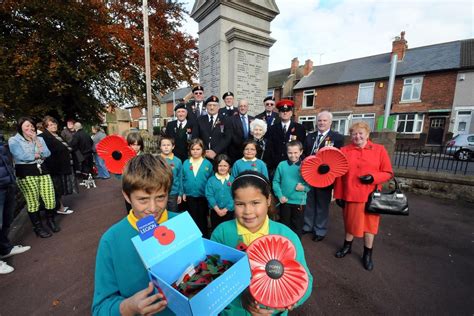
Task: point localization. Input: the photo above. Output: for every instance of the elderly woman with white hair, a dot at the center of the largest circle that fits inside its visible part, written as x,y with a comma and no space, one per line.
258,129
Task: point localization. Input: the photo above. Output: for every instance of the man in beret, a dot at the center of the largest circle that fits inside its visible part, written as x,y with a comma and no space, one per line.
282,133
181,130
214,130
229,108
269,116
240,130
196,107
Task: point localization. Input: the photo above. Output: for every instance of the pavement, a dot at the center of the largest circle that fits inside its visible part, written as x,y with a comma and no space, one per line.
423,262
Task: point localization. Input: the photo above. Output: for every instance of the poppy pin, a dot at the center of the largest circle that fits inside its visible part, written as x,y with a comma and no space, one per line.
191,167
229,184
278,280
254,164
188,131
241,246
115,152
172,165
293,130
164,235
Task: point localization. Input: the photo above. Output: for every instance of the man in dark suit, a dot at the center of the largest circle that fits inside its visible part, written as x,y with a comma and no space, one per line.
240,130
196,107
284,132
214,130
181,130
269,116
229,108
318,199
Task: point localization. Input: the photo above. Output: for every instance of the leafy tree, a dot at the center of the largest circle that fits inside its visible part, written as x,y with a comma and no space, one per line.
70,58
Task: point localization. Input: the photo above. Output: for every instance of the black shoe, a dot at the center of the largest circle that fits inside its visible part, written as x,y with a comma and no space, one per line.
345,250
51,221
367,259
306,232
38,228
318,237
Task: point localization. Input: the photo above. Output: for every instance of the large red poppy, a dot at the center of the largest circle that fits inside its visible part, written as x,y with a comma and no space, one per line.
278,280
321,170
115,152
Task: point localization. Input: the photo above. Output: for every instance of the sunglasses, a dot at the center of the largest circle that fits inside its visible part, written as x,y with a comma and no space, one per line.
198,93
270,104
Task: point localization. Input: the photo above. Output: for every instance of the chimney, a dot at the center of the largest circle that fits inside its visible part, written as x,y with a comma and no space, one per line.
295,63
308,67
399,46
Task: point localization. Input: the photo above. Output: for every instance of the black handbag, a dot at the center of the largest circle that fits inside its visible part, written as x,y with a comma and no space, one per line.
392,203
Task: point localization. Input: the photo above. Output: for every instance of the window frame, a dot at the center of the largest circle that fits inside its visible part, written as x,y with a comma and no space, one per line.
419,118
307,93
370,85
308,118
362,116
338,119
411,85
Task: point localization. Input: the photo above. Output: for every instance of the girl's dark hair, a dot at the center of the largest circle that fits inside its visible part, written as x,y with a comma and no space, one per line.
194,142
250,141
20,123
222,157
254,179
135,137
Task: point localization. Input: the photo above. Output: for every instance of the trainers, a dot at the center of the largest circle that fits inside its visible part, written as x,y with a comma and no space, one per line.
66,211
5,268
15,251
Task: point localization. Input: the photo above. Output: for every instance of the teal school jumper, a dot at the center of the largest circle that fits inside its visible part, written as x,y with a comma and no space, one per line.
119,271
287,176
257,165
218,193
226,234
176,167
195,186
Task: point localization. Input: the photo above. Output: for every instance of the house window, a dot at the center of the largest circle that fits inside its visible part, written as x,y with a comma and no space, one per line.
366,93
157,110
409,123
308,99
369,118
412,89
143,111
308,122
142,124
340,125
270,92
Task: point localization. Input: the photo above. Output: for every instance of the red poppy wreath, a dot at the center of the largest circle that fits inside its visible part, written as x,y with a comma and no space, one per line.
115,152
321,170
278,280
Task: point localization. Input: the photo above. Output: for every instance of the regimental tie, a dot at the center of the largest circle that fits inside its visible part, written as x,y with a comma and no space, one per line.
285,129
211,122
180,125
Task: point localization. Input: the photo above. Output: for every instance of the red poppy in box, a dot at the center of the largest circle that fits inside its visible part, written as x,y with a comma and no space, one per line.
321,170
115,152
278,280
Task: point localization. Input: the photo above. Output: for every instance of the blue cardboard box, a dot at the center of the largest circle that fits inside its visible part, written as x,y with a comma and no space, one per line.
178,245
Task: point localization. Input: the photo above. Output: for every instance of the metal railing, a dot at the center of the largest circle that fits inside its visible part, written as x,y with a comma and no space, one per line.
451,159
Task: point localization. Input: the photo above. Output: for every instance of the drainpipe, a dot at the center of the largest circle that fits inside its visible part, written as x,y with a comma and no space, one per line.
391,82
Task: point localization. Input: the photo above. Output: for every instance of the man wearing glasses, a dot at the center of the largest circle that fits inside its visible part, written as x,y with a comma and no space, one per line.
269,116
196,107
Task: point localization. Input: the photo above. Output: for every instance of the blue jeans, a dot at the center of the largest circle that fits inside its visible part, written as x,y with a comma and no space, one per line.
7,206
102,171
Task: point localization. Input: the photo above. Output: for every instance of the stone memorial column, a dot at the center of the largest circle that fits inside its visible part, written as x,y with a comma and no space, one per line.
234,44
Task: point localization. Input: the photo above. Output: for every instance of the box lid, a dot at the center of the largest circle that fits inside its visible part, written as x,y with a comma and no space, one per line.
167,238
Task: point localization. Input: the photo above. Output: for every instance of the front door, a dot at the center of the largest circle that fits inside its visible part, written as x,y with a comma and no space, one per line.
462,124
436,131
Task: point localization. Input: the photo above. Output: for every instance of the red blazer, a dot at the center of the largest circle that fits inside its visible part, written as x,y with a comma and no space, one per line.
373,159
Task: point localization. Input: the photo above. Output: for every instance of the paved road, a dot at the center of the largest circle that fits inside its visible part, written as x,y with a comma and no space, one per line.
423,263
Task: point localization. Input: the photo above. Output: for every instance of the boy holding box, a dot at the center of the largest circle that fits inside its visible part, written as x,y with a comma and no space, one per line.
122,286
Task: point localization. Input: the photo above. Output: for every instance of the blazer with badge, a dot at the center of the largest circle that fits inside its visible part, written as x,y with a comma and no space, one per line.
227,113
181,137
193,111
274,120
277,140
332,138
238,139
217,137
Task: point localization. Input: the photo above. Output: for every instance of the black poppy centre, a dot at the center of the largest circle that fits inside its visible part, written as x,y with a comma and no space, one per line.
323,169
274,269
117,155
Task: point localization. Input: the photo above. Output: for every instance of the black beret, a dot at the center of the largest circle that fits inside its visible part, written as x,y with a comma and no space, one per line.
227,94
269,98
198,88
212,98
180,105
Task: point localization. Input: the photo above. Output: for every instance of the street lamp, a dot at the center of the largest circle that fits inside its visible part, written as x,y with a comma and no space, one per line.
149,106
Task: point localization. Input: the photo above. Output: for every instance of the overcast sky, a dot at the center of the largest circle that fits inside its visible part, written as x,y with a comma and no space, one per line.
328,31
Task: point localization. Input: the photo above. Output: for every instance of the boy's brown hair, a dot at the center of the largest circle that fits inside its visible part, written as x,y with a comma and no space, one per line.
162,138
148,173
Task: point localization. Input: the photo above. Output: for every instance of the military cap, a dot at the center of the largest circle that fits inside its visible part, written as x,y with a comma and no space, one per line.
269,98
285,105
212,98
227,94
180,105
198,88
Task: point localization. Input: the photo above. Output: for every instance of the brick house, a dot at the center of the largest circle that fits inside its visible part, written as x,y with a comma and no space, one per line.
356,90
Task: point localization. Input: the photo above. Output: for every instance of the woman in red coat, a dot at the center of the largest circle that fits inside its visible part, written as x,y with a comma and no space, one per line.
369,166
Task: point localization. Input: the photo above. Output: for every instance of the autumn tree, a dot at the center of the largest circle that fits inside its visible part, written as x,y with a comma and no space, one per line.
69,58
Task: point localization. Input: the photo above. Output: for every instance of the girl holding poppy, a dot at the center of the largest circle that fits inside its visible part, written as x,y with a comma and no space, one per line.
252,197
196,172
174,197
218,192
249,161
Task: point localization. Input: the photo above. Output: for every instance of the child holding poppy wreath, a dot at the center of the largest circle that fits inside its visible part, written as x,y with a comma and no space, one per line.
249,161
166,147
121,283
252,197
196,172
218,192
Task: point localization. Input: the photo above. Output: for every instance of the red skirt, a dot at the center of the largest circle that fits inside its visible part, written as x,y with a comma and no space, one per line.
357,221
